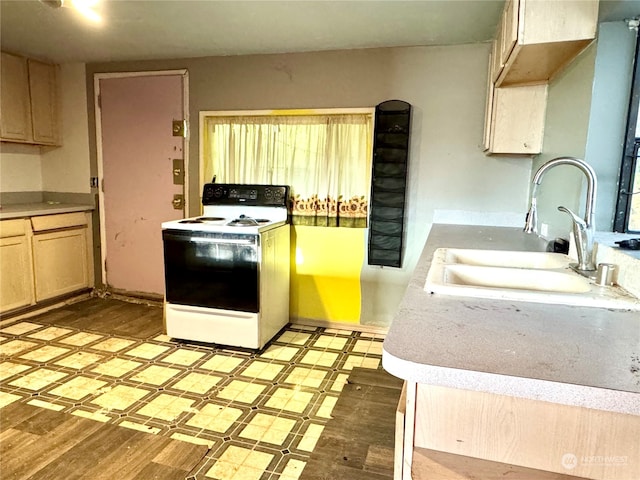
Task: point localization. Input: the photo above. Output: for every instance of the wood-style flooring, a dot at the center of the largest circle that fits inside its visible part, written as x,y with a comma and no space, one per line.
109,317
39,444
336,428
358,443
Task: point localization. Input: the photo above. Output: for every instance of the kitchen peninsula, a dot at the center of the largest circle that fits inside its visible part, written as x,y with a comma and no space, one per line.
552,390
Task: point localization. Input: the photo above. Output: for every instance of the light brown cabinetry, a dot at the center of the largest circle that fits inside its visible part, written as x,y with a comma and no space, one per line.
15,111
535,40
44,102
515,119
453,434
16,272
44,257
60,254
29,108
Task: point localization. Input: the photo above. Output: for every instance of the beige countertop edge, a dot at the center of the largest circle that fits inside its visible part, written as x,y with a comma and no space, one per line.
581,356
528,388
35,209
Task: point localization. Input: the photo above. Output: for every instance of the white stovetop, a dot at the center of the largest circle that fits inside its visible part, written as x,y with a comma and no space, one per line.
276,215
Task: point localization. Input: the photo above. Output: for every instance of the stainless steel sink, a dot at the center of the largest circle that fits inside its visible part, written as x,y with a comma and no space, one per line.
540,277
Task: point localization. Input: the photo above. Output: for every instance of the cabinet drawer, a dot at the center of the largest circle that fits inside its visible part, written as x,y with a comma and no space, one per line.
13,228
54,222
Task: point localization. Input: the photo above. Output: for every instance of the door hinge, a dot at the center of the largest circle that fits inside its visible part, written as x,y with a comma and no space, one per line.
178,201
178,171
179,128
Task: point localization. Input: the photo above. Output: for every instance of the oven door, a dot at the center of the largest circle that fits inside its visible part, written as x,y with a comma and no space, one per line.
213,270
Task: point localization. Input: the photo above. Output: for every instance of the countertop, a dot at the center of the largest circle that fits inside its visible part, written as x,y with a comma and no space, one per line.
580,356
22,210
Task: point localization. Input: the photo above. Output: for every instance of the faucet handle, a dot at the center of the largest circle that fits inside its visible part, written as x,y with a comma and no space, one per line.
576,219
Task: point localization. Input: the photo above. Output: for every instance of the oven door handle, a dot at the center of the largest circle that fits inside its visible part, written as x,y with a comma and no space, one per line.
219,241
222,241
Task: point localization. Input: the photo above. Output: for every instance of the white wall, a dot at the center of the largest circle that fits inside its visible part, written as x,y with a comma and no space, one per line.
450,178
20,168
66,169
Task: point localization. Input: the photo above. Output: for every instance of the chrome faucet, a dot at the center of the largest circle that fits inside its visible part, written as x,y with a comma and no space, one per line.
583,230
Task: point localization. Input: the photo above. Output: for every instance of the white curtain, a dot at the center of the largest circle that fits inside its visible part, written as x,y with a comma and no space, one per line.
325,159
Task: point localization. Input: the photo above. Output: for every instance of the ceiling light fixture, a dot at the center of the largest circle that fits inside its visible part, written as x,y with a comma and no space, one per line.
84,7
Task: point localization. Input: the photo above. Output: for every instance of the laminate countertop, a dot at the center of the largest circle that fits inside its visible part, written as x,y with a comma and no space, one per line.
579,356
23,210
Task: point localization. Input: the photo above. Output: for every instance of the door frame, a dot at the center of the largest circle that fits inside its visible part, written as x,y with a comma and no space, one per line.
98,119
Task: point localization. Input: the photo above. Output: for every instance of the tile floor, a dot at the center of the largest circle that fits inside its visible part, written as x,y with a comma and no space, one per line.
260,413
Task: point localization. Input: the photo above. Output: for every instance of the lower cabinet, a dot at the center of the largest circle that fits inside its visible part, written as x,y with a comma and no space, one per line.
60,262
453,434
16,273
44,257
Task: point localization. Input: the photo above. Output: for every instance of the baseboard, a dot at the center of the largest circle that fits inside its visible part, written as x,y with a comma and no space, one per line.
356,327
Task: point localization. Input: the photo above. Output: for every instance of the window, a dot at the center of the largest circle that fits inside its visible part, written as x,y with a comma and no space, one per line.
627,218
325,157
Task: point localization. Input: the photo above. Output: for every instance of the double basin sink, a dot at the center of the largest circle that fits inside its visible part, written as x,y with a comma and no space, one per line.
541,277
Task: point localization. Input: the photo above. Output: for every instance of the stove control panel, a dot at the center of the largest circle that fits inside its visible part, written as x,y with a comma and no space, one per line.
238,194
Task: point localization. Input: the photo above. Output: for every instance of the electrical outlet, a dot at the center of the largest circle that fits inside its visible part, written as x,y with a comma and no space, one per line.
544,230
93,182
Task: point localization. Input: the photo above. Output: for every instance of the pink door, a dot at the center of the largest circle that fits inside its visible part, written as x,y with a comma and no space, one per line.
138,149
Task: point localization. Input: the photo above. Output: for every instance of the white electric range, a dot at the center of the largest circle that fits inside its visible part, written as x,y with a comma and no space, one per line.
227,271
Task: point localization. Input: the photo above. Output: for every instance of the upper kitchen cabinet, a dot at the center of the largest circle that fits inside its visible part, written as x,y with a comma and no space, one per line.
15,111
29,108
537,38
44,102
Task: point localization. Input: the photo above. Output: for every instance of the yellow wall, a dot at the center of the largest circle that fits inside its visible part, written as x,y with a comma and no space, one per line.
325,273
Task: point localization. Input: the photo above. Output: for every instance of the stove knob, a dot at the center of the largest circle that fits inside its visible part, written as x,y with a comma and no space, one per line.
217,192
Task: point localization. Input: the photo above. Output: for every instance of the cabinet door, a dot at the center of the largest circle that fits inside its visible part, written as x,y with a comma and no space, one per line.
16,274
488,108
44,103
15,114
517,119
509,29
60,260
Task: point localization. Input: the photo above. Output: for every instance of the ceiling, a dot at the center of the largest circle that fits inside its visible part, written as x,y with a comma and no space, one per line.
162,29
